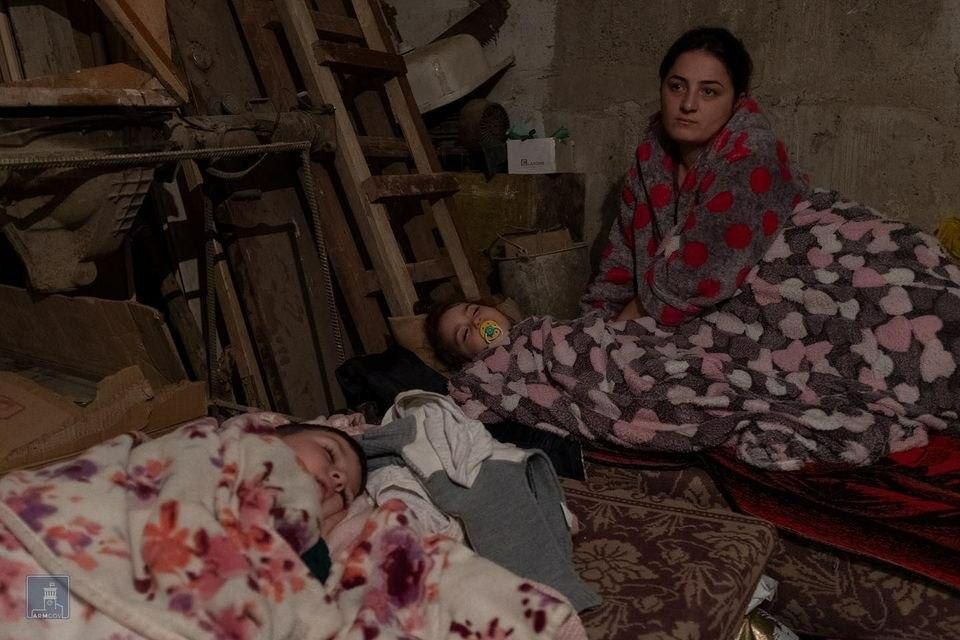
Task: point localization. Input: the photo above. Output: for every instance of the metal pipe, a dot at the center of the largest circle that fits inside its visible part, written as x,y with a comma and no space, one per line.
84,160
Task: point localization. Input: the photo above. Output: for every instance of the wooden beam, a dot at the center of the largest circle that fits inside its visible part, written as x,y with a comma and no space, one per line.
384,147
423,271
11,68
347,265
241,347
358,60
348,268
425,157
79,97
153,14
430,186
350,162
267,54
123,15
44,37
111,76
332,26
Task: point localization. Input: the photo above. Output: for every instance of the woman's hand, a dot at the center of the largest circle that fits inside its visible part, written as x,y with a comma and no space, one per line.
631,311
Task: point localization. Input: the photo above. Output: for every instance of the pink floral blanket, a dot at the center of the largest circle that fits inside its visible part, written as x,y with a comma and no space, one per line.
197,535
841,345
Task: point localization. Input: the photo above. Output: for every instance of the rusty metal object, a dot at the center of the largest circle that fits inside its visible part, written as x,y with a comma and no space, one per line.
61,216
200,132
62,219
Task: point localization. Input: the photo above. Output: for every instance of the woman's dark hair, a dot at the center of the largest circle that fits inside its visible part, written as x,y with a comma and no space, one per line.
720,43
294,428
444,355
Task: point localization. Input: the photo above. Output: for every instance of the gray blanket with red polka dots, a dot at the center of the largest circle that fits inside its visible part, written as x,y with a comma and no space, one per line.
683,248
826,333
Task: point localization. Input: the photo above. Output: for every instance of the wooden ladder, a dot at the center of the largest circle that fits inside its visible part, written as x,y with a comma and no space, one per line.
329,49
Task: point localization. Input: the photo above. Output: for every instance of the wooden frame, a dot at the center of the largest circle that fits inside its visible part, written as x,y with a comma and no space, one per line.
62,82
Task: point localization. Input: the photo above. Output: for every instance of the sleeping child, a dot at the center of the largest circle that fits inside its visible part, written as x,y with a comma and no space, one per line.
338,465
334,460
459,331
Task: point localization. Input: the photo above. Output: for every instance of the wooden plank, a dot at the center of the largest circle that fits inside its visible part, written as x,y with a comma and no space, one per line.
111,76
277,272
416,218
341,248
123,15
153,14
358,60
214,60
184,324
348,268
44,37
48,97
423,271
434,185
276,264
244,355
10,66
256,21
425,157
384,147
351,165
332,26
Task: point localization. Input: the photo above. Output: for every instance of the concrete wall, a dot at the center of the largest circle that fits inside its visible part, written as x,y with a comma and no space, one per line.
866,93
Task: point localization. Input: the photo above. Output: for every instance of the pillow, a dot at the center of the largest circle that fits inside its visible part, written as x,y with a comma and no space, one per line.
410,332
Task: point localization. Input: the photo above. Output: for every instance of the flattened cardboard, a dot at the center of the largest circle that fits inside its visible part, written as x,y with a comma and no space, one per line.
90,337
38,426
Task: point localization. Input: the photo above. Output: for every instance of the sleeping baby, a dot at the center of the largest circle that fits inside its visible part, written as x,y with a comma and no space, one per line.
334,460
338,465
459,331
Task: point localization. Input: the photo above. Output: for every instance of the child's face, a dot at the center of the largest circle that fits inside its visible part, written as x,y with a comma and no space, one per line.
330,460
468,328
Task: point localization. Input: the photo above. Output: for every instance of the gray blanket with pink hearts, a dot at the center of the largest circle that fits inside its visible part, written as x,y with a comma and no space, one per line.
840,346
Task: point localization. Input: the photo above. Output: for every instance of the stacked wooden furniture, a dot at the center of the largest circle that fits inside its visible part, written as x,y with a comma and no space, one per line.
391,191
385,210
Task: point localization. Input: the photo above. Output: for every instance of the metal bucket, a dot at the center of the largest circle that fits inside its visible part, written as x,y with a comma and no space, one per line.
549,283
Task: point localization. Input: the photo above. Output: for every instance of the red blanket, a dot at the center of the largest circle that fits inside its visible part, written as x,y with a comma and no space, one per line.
904,510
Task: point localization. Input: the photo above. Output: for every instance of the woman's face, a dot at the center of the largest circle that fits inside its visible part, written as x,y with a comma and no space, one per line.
460,328
696,98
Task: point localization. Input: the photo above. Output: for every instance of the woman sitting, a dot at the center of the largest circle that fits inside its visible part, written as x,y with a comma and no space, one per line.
710,188
787,325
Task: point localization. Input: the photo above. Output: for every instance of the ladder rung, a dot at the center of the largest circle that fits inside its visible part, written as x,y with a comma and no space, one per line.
429,185
384,147
424,271
359,60
330,25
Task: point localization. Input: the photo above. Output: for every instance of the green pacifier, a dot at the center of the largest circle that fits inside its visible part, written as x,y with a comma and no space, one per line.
490,331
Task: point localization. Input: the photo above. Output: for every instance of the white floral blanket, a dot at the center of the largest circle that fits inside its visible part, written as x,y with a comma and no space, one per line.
197,535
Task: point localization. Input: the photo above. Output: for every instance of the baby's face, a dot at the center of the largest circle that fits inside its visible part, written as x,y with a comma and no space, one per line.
469,328
330,460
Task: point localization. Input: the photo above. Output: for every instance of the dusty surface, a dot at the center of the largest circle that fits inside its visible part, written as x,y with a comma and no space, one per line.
865,92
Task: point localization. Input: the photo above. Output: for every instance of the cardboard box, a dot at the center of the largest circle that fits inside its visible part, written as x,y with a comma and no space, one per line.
540,155
88,337
39,426
76,371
